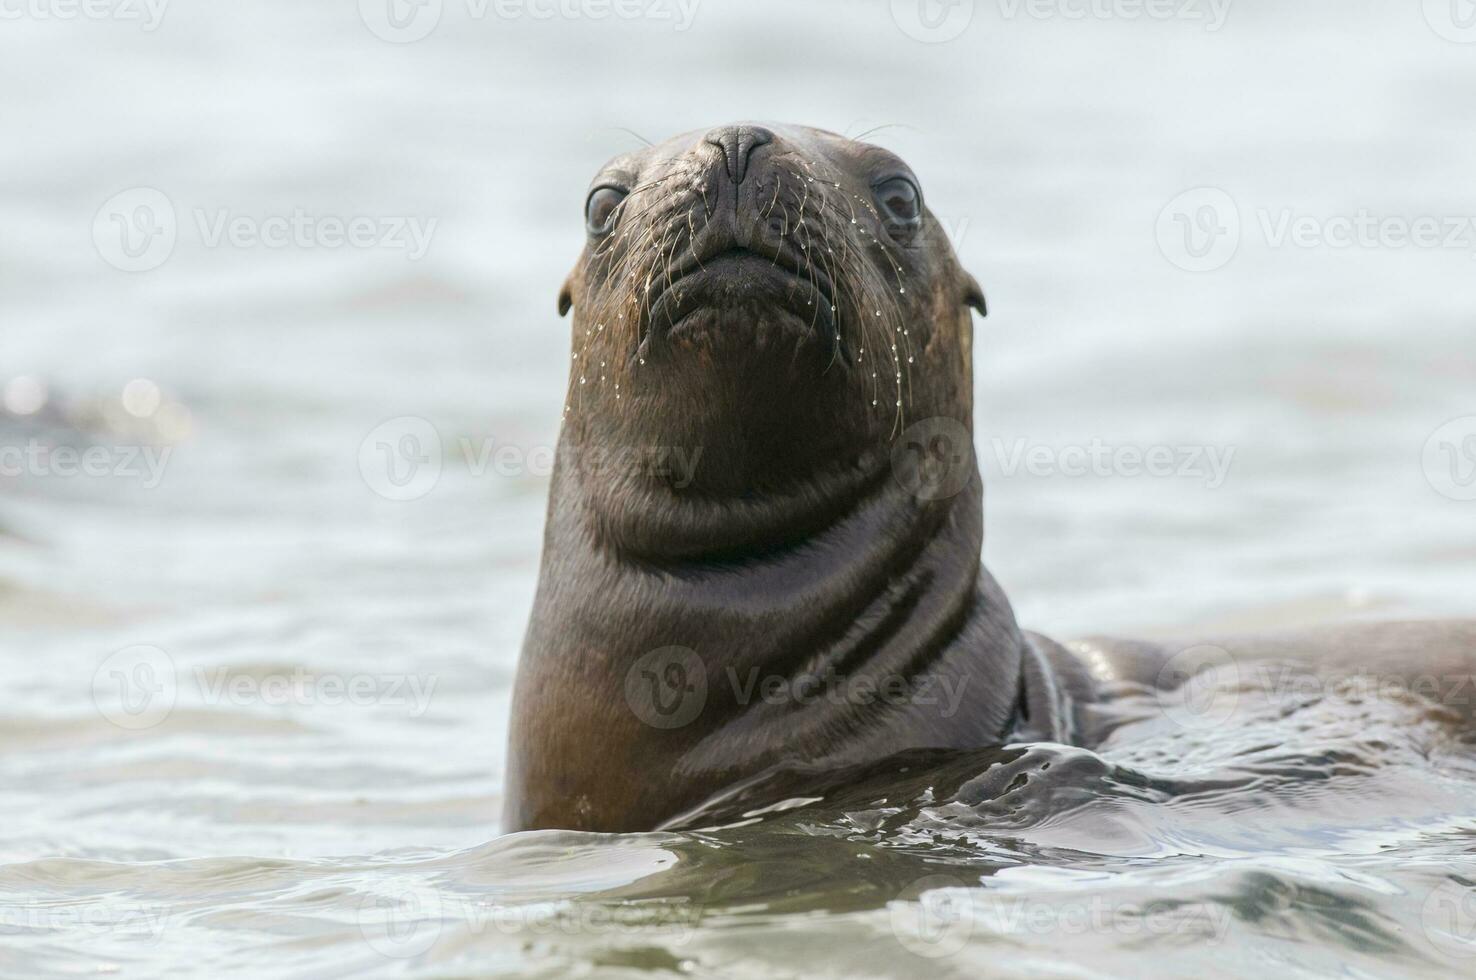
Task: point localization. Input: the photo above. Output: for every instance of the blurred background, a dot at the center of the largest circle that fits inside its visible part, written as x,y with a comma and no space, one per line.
248,250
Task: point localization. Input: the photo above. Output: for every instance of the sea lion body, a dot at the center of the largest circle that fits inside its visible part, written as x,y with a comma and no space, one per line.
1434,660
765,528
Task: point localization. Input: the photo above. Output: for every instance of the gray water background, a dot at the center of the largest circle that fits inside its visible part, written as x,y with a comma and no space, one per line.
272,835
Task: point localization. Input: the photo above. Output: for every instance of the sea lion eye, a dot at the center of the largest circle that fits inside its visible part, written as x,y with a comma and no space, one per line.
901,204
599,210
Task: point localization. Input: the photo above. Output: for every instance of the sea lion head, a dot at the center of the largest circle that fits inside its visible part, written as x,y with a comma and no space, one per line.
776,301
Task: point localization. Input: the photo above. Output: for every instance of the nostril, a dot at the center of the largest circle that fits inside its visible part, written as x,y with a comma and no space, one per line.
737,144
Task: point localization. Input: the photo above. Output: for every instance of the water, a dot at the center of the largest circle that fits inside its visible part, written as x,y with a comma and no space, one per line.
321,795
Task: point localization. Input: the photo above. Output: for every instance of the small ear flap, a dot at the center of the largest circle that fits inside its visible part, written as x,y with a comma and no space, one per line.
566,297
974,295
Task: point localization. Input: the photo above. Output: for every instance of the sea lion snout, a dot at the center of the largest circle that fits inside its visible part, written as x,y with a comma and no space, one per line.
737,144
746,257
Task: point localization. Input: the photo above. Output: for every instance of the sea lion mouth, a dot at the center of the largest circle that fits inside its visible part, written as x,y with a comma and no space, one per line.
743,281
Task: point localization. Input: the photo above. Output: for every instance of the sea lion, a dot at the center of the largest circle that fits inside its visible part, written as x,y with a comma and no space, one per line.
764,530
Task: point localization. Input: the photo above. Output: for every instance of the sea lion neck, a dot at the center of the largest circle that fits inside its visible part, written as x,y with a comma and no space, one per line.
875,632
661,506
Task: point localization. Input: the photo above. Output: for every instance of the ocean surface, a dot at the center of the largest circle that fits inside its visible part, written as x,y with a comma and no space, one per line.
257,680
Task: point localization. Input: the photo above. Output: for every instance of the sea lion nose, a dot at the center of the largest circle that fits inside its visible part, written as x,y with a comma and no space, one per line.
737,144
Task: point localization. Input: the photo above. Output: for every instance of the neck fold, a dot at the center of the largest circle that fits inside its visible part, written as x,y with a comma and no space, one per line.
843,623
